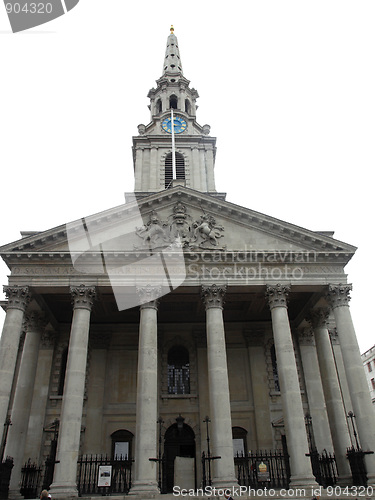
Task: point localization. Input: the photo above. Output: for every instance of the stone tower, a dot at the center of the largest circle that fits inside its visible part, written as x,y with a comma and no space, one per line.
154,166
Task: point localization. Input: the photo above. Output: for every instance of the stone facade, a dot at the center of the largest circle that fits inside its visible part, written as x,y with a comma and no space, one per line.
203,317
368,359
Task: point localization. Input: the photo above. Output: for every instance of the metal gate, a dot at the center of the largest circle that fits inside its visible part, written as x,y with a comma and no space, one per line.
263,469
88,474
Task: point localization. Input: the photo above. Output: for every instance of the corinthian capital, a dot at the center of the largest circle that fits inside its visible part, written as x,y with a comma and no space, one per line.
318,317
18,297
35,320
277,295
83,296
213,296
149,295
338,295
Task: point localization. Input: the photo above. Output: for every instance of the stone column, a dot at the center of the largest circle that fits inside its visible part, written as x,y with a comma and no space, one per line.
294,421
18,298
218,384
65,478
23,397
332,393
338,297
314,389
40,395
145,481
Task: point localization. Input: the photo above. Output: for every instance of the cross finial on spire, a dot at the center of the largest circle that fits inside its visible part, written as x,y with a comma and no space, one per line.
172,29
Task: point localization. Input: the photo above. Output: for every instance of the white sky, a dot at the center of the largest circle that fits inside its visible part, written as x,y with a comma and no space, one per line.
287,87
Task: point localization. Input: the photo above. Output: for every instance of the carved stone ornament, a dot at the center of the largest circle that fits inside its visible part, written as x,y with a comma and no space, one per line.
35,320
318,317
83,296
277,295
338,295
18,297
306,336
182,230
213,296
149,295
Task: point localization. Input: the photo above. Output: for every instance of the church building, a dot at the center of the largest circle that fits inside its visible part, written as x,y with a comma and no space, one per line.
179,341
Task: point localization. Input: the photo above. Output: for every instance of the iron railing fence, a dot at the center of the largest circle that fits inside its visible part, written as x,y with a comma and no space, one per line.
324,467
263,469
356,457
31,474
120,474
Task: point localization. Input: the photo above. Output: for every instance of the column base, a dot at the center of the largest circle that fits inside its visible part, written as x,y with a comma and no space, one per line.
303,483
225,483
371,479
14,494
66,491
141,488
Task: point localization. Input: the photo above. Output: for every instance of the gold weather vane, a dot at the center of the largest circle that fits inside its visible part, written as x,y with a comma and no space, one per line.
172,29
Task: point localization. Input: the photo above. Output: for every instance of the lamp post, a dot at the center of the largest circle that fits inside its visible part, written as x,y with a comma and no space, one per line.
8,422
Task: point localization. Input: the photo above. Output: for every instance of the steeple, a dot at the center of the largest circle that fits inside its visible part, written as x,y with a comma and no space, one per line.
172,62
183,154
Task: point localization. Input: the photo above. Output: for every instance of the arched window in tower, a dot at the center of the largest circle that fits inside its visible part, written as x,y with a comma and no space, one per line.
158,106
178,370
173,102
180,168
274,369
187,107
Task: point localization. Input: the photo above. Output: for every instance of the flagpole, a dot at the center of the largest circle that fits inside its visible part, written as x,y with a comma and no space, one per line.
173,148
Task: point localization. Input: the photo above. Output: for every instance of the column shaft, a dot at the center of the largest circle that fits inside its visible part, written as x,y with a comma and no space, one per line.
147,398
332,394
18,298
315,394
338,297
294,420
65,478
221,436
23,398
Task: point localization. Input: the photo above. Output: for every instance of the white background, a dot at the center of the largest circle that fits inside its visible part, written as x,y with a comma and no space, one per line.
287,87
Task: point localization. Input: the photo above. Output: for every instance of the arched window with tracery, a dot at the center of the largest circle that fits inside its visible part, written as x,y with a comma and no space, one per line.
180,168
178,370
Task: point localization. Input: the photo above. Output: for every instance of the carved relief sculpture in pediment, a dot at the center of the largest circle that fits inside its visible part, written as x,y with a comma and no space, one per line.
180,228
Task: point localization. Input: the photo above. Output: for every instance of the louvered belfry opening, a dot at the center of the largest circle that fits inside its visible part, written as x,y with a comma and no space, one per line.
180,168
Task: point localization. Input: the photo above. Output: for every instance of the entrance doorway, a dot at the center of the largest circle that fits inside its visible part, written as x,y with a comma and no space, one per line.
179,441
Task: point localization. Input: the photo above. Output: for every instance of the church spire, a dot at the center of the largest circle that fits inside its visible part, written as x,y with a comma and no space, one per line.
173,149
172,61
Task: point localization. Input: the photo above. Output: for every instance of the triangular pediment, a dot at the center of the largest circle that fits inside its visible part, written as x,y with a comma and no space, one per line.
203,222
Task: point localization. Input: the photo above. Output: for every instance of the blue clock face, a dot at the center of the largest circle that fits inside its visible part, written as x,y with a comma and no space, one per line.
179,125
